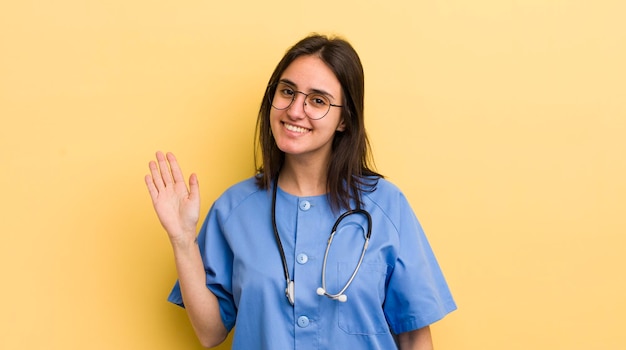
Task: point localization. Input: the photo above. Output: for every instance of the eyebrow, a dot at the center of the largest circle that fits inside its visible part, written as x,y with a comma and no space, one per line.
317,91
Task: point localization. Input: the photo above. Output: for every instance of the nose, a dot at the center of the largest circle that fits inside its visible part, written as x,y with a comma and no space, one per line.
296,109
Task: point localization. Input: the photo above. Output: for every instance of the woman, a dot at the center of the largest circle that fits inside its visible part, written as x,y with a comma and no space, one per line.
263,260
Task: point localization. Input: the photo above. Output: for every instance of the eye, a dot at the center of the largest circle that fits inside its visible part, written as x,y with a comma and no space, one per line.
285,90
318,100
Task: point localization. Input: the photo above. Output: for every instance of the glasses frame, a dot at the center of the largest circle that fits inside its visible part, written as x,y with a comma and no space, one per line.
272,92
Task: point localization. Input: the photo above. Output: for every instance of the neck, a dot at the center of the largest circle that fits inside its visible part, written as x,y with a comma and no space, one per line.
303,179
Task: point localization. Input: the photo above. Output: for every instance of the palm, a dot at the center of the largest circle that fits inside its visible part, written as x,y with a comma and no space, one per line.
176,205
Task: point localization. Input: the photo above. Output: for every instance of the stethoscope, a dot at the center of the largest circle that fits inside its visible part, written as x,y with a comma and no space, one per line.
290,290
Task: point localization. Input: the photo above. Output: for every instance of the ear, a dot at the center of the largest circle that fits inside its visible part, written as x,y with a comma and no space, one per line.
342,126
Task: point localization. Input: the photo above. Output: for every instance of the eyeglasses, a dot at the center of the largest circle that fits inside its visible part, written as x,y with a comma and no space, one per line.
316,105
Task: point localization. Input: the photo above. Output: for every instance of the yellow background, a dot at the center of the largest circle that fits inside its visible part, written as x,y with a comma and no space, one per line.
504,123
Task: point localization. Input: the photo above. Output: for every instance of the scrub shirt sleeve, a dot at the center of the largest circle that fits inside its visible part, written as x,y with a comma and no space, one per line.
217,258
417,293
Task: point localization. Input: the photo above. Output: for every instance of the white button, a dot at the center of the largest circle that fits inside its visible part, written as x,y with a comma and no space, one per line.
305,205
302,258
303,321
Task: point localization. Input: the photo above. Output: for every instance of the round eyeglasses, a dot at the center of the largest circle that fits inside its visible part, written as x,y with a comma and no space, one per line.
316,104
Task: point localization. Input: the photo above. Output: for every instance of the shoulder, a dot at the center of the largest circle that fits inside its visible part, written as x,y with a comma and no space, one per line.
237,194
387,199
242,188
385,192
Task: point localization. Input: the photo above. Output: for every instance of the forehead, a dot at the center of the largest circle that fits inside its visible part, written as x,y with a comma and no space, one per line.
310,73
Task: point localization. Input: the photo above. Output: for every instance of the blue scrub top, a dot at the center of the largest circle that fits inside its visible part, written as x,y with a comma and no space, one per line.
398,288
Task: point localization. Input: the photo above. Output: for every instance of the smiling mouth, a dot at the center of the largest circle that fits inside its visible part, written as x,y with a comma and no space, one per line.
297,129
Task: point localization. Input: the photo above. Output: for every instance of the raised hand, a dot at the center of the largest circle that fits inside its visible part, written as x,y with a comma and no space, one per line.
176,205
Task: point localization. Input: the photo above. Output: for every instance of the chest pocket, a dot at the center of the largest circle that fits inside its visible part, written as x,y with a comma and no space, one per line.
362,313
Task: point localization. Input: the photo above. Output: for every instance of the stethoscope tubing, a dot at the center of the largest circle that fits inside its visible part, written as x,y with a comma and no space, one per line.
278,241
290,289
339,294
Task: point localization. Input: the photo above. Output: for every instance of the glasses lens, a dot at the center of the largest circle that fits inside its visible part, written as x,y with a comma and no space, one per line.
283,96
316,106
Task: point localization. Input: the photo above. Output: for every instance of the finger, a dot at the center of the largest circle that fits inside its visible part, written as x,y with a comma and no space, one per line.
177,173
157,180
154,193
164,168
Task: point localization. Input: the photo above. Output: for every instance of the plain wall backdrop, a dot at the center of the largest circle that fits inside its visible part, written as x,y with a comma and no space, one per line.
503,122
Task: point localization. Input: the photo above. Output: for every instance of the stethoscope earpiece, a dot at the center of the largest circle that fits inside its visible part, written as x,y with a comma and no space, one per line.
290,291
341,297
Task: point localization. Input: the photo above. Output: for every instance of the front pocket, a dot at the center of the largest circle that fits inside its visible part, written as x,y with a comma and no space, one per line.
363,313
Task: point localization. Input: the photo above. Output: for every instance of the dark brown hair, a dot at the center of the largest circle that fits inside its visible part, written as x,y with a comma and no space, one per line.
349,171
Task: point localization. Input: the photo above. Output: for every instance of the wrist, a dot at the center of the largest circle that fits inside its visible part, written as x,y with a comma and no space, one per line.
184,242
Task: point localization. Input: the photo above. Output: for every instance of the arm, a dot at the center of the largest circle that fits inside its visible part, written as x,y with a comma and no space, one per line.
178,210
419,339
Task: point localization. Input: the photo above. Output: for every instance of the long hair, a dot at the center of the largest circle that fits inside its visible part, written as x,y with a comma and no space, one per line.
350,171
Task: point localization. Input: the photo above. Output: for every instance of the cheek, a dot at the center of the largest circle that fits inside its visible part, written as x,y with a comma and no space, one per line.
336,122
274,121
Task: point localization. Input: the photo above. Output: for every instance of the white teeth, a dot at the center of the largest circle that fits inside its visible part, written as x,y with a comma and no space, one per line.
296,128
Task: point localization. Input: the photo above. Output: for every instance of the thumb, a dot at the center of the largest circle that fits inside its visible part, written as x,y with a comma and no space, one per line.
194,188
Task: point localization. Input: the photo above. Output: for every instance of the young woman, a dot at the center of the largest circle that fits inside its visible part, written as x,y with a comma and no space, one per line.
317,251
